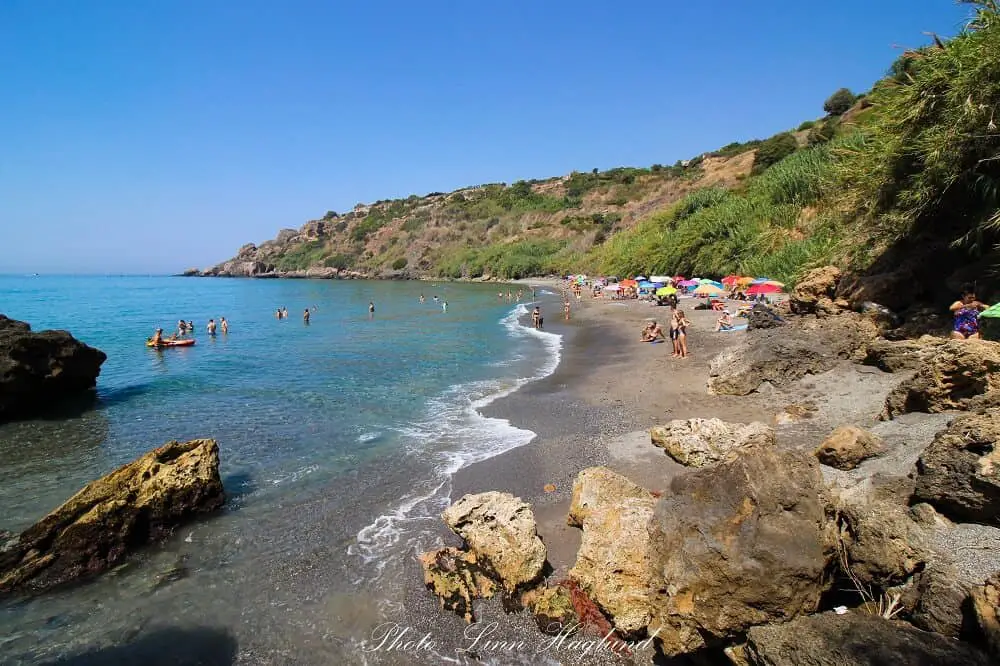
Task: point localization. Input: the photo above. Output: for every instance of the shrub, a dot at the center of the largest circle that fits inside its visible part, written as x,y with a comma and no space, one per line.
338,261
775,149
809,124
399,264
331,215
839,102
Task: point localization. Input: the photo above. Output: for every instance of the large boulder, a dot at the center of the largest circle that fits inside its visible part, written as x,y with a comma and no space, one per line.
815,293
736,545
959,472
136,504
899,355
779,356
855,639
939,601
985,602
553,609
500,529
613,562
457,579
948,379
847,446
882,543
701,442
761,316
38,370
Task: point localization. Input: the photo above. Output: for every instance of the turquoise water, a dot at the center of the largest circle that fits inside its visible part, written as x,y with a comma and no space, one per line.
337,437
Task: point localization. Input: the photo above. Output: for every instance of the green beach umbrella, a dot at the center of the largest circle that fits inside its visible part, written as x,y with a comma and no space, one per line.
992,312
666,291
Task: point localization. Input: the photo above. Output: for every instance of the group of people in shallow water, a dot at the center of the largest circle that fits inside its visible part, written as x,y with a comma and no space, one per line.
282,313
679,324
187,327
444,304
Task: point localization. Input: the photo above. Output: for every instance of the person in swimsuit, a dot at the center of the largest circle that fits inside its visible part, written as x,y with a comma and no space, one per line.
211,327
652,332
566,309
725,322
444,306
157,338
421,298
536,317
966,311
682,326
305,316
278,313
675,331
224,325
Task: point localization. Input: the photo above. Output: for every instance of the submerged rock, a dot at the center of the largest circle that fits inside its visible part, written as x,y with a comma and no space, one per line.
847,446
613,564
136,504
457,579
701,442
500,529
854,639
959,472
737,545
38,370
947,379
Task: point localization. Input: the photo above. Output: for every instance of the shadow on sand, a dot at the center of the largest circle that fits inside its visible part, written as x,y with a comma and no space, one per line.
165,647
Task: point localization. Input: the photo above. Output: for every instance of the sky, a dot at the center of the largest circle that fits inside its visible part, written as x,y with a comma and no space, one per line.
150,137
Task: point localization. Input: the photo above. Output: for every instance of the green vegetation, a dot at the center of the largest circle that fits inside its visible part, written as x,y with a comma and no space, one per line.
775,149
510,261
839,102
399,264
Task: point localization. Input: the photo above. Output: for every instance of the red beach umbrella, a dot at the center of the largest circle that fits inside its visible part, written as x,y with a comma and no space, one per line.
763,289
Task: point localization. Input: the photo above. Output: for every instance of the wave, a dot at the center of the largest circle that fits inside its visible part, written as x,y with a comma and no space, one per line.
452,435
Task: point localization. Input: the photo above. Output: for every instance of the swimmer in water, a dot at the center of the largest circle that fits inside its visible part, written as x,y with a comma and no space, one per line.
211,327
371,309
421,298
224,325
444,306
305,316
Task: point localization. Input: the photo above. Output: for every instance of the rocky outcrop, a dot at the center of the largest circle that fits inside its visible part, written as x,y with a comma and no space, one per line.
855,639
613,563
940,600
457,579
880,542
553,609
847,446
136,504
896,356
701,442
500,529
737,545
985,602
40,370
815,293
780,356
761,316
947,379
959,472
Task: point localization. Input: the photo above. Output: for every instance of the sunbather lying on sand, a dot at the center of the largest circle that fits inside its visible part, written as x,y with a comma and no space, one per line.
652,332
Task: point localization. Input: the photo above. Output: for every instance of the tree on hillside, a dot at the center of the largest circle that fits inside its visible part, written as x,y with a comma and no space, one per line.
839,102
775,149
331,215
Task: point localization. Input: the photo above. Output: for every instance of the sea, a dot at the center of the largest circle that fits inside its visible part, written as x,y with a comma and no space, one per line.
338,441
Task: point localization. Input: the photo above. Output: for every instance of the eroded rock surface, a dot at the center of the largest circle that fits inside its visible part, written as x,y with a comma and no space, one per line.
848,446
457,579
701,442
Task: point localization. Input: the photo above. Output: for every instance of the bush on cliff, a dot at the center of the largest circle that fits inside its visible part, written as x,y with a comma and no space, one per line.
839,102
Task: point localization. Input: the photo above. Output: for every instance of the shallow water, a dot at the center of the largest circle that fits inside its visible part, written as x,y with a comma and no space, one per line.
337,440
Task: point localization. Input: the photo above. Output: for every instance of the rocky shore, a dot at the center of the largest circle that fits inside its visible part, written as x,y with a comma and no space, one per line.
819,492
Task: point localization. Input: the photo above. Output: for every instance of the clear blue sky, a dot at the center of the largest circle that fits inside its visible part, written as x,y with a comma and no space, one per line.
153,136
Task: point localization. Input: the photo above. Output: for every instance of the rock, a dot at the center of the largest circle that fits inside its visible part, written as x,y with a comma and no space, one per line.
959,472
924,514
883,546
883,317
947,379
736,545
612,565
701,442
761,316
136,504
500,529
921,321
855,639
457,579
847,446
815,292
795,413
940,601
552,608
890,356
985,602
599,487
781,356
40,370
191,272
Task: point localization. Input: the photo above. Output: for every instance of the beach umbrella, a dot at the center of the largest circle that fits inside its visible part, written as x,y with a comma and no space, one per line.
639,278
760,280
628,283
992,312
688,283
612,287
666,291
713,283
763,288
659,283
646,285
708,290
775,283
660,278
731,279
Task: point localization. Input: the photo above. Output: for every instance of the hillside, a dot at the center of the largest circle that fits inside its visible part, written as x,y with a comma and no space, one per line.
495,230
900,186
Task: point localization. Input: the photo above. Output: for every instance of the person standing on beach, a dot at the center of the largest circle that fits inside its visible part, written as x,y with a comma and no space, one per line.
371,309
224,325
682,326
566,309
536,317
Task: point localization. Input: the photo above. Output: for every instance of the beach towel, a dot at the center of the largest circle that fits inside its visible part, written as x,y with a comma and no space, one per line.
741,327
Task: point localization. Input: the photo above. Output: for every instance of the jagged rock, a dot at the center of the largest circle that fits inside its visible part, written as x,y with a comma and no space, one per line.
500,529
39,370
959,472
191,272
926,515
883,545
847,446
761,316
552,608
783,355
947,379
457,579
940,600
736,545
136,504
815,292
700,442
612,565
855,639
921,321
985,601
598,488
895,356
